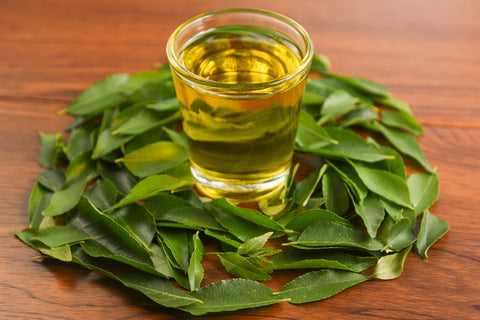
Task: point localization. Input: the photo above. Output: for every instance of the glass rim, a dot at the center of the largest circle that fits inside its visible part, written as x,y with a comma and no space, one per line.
189,75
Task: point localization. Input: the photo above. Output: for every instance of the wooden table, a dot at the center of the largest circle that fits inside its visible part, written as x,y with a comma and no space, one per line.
427,52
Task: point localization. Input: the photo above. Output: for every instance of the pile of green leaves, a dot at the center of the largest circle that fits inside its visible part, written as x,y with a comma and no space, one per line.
116,197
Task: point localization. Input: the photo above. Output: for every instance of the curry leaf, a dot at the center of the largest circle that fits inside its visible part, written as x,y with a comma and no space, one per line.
372,213
254,244
424,190
230,295
111,240
367,86
311,136
195,268
335,193
48,153
338,103
391,266
152,186
39,200
305,188
248,214
57,236
65,199
401,235
385,184
154,158
317,259
320,63
178,243
53,179
405,143
100,96
330,234
319,285
159,290
242,267
431,229
401,120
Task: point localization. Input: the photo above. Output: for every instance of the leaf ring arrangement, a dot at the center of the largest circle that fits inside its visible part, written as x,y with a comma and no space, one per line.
117,197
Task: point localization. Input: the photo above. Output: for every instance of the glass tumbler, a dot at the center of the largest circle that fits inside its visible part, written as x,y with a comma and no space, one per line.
239,76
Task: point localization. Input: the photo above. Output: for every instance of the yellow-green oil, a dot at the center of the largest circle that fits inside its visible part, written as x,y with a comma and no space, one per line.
240,136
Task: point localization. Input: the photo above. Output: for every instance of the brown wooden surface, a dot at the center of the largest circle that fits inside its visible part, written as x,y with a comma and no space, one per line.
427,52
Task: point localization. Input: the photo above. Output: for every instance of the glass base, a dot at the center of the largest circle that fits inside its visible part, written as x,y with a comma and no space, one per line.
239,192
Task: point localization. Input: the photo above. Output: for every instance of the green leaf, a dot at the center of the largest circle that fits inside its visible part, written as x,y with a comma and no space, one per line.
225,238
62,253
121,179
168,104
335,193
424,190
431,229
331,234
311,136
242,267
145,120
195,269
385,184
391,266
26,236
307,218
349,145
112,240
231,295
393,164
394,104
250,215
154,158
177,242
107,142
53,179
39,200
359,116
338,103
159,290
103,194
82,138
332,83
102,95
65,199
367,86
81,168
406,144
319,259
241,228
370,209
319,285
137,221
402,121
165,207
305,188
254,244
320,63
179,138
152,186
160,261
57,236
48,153
355,186
401,235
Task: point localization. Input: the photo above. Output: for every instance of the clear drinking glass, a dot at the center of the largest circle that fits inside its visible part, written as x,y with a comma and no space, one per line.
239,76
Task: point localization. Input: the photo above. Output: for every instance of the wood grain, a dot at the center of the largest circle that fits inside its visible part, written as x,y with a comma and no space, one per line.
425,52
